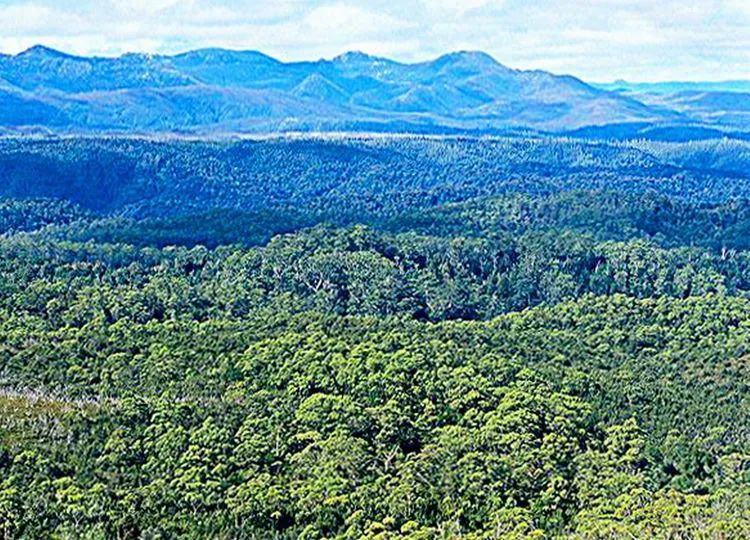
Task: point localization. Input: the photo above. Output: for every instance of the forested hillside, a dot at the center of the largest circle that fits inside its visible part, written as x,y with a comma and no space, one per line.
355,177
374,338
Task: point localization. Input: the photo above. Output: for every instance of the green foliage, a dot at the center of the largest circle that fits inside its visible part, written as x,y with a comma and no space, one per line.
573,365
588,418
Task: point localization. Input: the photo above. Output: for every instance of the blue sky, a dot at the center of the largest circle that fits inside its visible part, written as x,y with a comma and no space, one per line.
598,40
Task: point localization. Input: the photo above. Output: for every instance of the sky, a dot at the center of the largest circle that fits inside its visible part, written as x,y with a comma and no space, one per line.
597,40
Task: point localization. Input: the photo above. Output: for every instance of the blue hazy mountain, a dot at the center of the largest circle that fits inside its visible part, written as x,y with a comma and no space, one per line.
714,103
217,90
728,108
673,87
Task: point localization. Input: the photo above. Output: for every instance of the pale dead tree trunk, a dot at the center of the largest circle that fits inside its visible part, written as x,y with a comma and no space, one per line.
389,458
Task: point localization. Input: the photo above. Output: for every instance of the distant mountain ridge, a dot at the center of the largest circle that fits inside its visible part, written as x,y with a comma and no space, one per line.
219,90
671,87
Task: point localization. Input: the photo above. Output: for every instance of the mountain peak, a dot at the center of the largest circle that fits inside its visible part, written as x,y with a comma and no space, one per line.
41,51
316,86
467,58
477,56
352,56
218,55
357,57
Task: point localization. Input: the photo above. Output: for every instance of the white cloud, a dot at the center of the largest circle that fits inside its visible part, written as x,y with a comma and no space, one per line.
27,19
453,8
337,21
143,7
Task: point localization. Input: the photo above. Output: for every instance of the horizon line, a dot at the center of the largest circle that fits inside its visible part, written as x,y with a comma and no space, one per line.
611,81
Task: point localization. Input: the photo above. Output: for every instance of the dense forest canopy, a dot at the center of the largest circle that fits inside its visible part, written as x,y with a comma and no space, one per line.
374,338
353,178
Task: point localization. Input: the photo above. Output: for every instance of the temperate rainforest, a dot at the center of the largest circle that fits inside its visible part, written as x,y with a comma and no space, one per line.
362,299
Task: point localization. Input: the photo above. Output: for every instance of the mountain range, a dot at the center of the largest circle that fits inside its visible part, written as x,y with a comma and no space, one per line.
214,91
